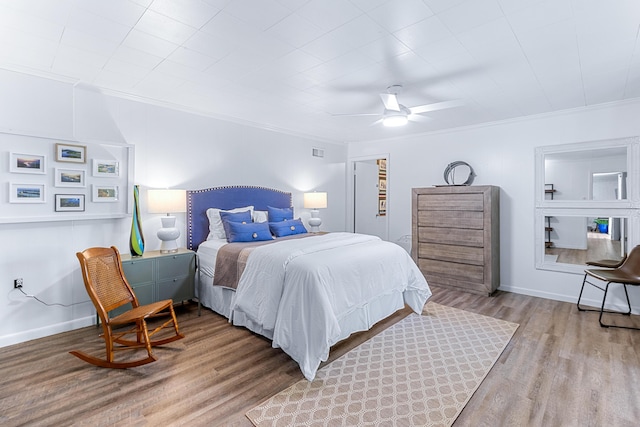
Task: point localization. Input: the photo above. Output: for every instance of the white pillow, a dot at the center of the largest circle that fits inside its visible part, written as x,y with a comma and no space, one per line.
259,216
216,230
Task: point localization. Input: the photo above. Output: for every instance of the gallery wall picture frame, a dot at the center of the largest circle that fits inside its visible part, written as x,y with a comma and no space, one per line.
106,168
70,177
26,163
26,193
382,206
71,153
104,193
69,202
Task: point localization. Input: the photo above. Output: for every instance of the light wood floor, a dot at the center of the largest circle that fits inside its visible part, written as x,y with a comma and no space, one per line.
599,246
560,369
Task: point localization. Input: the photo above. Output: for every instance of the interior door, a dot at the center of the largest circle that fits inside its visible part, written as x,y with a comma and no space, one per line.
365,200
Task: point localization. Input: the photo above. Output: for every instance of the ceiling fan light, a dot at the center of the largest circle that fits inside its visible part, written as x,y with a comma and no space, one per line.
395,120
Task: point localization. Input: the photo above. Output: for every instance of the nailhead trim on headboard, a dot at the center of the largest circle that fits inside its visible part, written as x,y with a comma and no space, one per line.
198,201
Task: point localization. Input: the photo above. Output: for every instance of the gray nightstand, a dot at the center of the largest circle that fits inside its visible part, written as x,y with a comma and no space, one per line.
155,276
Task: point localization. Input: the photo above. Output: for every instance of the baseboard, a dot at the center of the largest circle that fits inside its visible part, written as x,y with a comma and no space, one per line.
46,331
587,302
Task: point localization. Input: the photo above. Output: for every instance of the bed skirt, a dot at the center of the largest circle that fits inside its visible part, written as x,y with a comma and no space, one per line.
220,300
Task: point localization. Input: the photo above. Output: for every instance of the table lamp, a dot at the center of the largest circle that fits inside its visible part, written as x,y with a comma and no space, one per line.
315,201
168,201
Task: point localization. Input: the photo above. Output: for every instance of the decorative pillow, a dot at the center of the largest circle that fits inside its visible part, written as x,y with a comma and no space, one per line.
279,214
259,216
227,217
216,229
248,232
287,227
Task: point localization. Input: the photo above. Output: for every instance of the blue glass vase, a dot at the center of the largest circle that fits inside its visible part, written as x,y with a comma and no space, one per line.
136,239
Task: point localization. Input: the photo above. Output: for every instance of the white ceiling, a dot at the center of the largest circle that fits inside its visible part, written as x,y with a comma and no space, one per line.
292,64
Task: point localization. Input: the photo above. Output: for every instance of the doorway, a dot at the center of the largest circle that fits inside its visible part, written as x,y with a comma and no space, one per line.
365,207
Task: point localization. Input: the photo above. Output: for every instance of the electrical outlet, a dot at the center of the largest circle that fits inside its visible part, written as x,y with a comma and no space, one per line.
17,283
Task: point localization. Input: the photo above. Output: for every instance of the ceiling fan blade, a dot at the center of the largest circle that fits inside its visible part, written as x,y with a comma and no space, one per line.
418,118
435,106
390,101
355,115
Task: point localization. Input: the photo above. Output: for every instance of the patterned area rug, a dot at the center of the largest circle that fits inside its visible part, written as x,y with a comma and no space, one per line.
421,371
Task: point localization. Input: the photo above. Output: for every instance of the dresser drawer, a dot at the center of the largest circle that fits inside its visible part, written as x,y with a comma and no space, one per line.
175,265
444,202
177,289
463,285
451,219
467,272
451,253
451,236
138,271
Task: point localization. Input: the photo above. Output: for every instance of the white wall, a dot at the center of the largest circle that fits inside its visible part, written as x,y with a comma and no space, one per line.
179,149
172,149
502,154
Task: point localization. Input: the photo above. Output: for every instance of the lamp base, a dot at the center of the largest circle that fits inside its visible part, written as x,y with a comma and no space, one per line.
168,234
315,221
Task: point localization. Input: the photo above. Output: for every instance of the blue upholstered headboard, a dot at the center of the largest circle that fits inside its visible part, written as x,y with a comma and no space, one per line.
198,201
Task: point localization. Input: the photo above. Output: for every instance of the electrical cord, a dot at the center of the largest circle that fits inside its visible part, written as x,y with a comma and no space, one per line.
450,173
50,304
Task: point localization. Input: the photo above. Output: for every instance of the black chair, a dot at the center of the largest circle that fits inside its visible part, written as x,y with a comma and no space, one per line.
625,272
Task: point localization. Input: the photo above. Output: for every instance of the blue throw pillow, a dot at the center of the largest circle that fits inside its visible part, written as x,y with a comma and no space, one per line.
287,228
248,232
227,217
244,216
279,214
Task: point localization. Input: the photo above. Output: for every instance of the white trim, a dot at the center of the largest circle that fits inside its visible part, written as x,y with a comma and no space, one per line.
46,331
573,299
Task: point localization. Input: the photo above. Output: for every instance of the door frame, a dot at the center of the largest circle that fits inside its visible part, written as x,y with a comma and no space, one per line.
351,161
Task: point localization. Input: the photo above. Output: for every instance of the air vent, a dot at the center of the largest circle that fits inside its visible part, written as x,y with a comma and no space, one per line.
318,152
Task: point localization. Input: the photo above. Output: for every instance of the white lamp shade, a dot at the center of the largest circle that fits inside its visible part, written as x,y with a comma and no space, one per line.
167,201
315,200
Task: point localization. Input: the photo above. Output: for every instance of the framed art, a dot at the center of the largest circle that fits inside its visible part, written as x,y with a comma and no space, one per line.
26,163
382,206
382,185
106,168
26,193
69,203
71,153
105,193
70,178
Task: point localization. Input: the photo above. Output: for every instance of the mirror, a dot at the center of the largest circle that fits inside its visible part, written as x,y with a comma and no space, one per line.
578,239
598,174
586,202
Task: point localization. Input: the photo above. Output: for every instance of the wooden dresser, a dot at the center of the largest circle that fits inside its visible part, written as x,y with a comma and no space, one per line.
456,236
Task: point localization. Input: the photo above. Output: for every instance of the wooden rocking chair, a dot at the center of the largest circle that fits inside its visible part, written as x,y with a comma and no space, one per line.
108,289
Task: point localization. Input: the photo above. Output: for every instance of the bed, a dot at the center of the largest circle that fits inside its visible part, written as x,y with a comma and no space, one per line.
307,293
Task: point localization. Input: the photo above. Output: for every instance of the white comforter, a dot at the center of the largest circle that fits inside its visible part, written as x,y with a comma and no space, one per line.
300,289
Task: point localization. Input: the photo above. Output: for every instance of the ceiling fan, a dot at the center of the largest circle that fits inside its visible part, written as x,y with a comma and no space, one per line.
396,114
